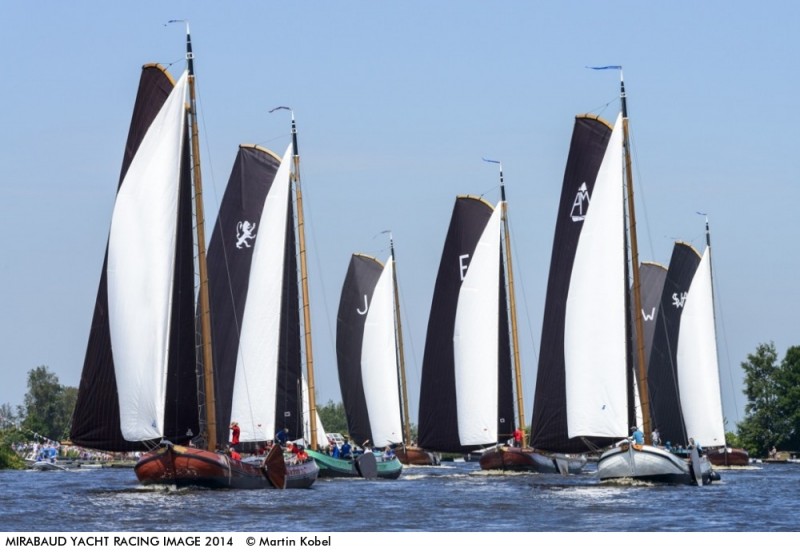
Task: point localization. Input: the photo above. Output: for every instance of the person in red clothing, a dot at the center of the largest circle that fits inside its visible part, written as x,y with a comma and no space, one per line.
234,434
518,437
233,454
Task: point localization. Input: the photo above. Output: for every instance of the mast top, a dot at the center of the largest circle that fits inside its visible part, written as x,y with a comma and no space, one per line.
189,54
294,126
502,185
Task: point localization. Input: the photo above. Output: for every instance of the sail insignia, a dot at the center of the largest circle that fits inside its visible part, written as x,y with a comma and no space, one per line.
581,204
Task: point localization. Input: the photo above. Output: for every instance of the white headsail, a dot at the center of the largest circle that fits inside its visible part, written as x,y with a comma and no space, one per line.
141,264
255,384
595,338
379,363
475,342
698,367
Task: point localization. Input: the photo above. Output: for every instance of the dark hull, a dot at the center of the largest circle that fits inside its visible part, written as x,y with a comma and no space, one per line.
191,467
729,457
415,456
527,459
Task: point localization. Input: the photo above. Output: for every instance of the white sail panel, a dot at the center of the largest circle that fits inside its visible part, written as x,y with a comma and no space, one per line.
475,337
141,264
255,383
307,416
379,363
698,368
595,333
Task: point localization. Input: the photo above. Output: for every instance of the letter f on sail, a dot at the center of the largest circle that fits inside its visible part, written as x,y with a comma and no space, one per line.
581,204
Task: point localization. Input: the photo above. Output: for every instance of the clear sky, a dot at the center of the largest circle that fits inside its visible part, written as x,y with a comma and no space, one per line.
396,104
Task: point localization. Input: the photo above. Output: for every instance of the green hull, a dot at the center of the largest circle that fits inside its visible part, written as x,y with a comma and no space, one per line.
338,467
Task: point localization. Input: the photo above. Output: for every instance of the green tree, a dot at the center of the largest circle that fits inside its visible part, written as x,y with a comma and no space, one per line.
788,384
333,417
770,415
48,404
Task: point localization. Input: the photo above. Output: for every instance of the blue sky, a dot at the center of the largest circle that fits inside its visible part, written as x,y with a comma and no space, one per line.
396,104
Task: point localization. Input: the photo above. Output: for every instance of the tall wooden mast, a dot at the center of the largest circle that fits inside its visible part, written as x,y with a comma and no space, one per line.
513,308
205,316
644,395
401,363
301,239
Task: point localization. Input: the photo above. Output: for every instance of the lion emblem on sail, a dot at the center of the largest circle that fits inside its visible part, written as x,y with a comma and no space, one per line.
245,234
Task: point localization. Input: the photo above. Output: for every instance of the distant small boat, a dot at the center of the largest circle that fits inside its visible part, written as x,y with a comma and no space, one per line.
46,465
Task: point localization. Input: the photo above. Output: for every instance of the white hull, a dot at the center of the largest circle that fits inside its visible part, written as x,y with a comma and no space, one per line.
648,463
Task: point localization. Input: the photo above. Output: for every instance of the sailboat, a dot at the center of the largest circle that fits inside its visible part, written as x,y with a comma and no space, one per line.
255,308
517,456
683,368
369,370
466,394
138,389
598,333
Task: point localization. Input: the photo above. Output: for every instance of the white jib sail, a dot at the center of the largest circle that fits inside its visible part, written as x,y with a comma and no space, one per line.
475,336
594,335
379,363
141,264
255,383
698,369
321,438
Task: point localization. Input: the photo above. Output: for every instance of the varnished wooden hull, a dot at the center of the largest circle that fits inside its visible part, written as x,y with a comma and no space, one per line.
527,459
728,457
192,467
415,456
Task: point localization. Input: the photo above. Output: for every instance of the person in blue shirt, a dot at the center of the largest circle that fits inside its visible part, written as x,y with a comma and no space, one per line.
346,450
638,436
282,436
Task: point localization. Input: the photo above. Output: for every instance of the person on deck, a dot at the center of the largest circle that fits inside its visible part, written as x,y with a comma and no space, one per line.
656,437
346,450
518,437
637,436
282,436
235,431
233,454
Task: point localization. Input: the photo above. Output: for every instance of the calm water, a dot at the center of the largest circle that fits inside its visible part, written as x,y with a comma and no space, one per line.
457,497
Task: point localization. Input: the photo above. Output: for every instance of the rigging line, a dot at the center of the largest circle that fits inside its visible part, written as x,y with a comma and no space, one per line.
225,254
521,281
309,219
640,188
721,319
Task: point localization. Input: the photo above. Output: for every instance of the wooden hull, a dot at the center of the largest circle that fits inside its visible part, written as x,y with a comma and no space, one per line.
191,467
339,467
298,475
654,464
527,459
416,456
728,457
